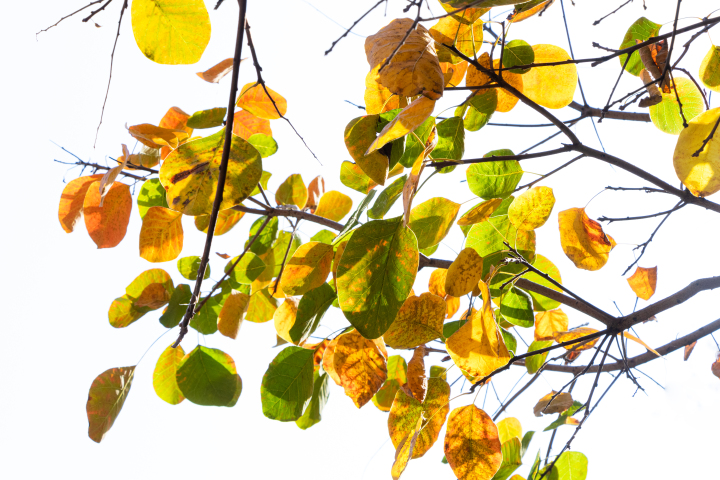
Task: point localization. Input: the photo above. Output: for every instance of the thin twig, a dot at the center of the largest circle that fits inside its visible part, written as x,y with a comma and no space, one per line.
353,26
644,245
641,217
287,252
67,16
707,139
92,14
597,22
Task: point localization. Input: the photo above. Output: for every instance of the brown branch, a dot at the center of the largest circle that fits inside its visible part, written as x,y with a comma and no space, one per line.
502,158
543,177
597,22
598,112
641,217
67,16
353,26
281,212
707,139
92,14
97,167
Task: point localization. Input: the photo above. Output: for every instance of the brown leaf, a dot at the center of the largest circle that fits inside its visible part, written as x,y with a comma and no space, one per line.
559,404
315,190
417,381
688,350
216,73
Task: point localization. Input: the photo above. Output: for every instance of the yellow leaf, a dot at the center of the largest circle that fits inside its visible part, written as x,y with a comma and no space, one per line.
583,239
637,340
72,198
509,428
710,69
472,444
254,99
261,307
464,273
453,305
562,78
559,404
216,73
478,347
231,313
548,323
417,381
463,30
701,174
415,68
161,235
405,122
359,135
292,192
284,318
643,282
405,450
420,320
316,189
334,206
436,284
561,337
456,73
157,137
379,99
479,213
360,365
226,220
506,101
307,269
531,209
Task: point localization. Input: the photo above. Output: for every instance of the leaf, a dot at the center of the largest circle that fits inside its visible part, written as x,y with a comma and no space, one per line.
464,31
419,321
360,365
226,220
71,200
432,219
321,392
190,174
472,446
701,174
106,398
107,224
405,450
231,314
559,404
549,322
575,333
637,340
264,144
534,362
262,307
215,73
324,236
161,235
152,194
207,376
164,381
316,189
310,311
494,179
570,466
171,32
477,347
480,108
710,69
292,192
583,239
480,212
334,206
256,101
563,78
540,303
247,270
417,380
464,273
188,268
387,199
308,268
511,459
396,378
375,275
176,306
666,114
352,176
406,410
210,118
642,29
509,428
531,209
518,52
451,141
715,368
266,238
516,307
643,282
415,68
205,321
328,361
245,125
359,135
149,291
416,144
522,12
157,137
410,118
287,385
379,99
506,101
688,350
566,418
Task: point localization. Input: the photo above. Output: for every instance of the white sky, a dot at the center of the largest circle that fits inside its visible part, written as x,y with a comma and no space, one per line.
58,287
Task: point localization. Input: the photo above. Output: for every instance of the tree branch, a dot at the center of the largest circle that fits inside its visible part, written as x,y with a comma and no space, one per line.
615,115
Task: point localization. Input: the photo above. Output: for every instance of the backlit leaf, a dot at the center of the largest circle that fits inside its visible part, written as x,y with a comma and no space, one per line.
266,238
152,194
396,378
480,212
245,125
379,99
472,446
561,337
352,176
559,404
149,291
188,268
359,135
451,141
164,381
432,219
688,350
262,307
287,385
701,174
533,363
417,379
570,466
549,322
494,179
176,306
642,29
231,314
321,392
643,282
419,321
637,340
247,270
226,220
334,206
308,268
410,118
563,78
387,199
264,144
464,273
508,428
207,376
583,239
71,200
107,225
205,321
512,459
666,114
531,209
710,69
518,52
464,31
256,101
215,73
106,398
161,235
316,189
292,192
210,118
405,450
361,366
522,12
516,307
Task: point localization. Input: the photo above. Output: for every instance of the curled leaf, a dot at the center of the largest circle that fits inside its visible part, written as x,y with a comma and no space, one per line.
583,239
559,404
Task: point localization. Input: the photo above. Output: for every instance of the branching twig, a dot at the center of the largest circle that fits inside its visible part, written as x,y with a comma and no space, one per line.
707,139
643,246
67,16
641,217
92,14
597,22
353,26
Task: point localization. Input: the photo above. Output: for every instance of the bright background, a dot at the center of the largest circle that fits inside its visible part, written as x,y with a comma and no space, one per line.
57,287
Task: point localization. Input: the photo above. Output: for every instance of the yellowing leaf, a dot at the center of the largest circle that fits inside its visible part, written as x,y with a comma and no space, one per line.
359,135
509,428
245,125
688,350
360,364
161,235
583,239
417,382
436,283
548,323
254,99
563,78
472,445
464,273
109,178
506,101
480,213
419,321
190,174
463,30
106,398
262,307
176,119
107,224
379,99
226,220
405,122
432,219
215,73
334,206
710,69
405,450
415,68
666,114
157,137
71,200
643,282
308,268
316,189
478,347
531,209
396,378
715,368
701,174
231,313
561,337
292,192
453,305
637,340
558,405
327,361
164,376
352,176
284,318
457,73
171,32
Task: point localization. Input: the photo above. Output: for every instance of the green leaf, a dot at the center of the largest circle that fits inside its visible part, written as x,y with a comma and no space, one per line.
262,306
516,307
518,52
288,384
376,274
564,416
430,250
171,32
264,178
359,135
207,376
249,268
570,466
487,239
210,118
149,291
710,69
666,114
352,176
642,29
451,327
478,109
264,144
321,392
266,238
396,377
354,219
413,147
188,268
205,321
527,438
511,459
509,339
540,302
177,306
106,398
387,198
152,194
534,362
432,219
311,309
164,375
451,142
324,236
494,179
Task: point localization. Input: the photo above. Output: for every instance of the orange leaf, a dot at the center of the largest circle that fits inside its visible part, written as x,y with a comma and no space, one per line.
328,361
71,200
417,381
561,337
637,340
176,119
472,444
315,189
230,317
161,235
583,239
549,322
643,282
157,137
715,368
360,364
216,73
688,350
107,225
245,125
308,268
254,99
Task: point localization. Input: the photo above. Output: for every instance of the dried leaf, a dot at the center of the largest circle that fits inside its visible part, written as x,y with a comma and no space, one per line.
109,178
161,235
472,446
583,239
419,321
360,364
548,323
715,368
637,340
688,350
558,405
215,73
106,398
417,382
464,273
